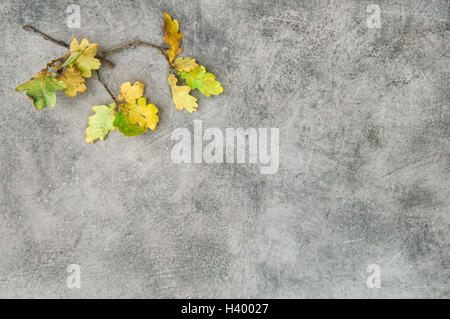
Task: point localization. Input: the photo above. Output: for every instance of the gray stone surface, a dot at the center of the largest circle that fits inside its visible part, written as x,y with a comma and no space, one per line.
364,155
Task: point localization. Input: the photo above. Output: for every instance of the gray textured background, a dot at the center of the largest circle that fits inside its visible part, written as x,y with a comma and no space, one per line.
364,154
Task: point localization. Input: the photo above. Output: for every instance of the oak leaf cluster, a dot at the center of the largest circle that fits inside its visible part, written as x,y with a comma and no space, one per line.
136,114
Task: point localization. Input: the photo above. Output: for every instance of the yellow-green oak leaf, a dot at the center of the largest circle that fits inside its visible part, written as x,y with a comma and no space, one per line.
83,56
123,123
41,89
101,123
201,80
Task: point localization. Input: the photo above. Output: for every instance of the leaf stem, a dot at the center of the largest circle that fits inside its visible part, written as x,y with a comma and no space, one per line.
59,42
107,88
54,61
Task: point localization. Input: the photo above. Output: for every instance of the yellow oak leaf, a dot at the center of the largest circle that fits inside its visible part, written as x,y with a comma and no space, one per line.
74,81
142,113
172,36
83,56
185,64
130,93
181,96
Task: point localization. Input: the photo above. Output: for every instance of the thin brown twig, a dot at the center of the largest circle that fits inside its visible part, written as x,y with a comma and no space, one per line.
140,43
131,44
59,42
107,88
45,36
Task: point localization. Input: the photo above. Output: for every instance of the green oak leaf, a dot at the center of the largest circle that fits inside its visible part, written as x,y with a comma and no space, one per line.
201,80
123,123
41,89
101,123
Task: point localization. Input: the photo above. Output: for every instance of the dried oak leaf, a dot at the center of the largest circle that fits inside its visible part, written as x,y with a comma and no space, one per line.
181,96
101,123
41,89
130,93
83,57
74,81
172,36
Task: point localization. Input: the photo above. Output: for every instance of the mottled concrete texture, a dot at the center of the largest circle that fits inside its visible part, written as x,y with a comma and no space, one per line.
364,155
